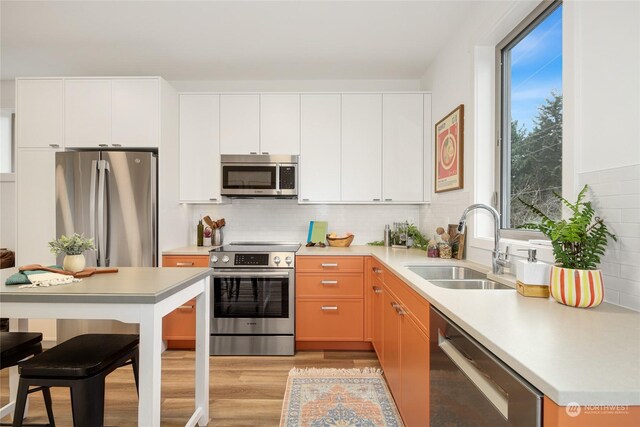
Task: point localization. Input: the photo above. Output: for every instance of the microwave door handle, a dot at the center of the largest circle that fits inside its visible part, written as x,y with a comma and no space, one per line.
278,178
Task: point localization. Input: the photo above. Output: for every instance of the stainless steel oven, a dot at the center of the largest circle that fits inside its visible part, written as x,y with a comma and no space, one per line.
252,300
258,175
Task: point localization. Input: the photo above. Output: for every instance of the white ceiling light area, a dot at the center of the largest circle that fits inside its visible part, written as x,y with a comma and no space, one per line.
185,40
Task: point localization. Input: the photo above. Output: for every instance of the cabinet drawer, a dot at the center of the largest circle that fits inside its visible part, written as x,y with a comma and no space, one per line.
417,306
180,324
335,264
329,320
332,285
185,261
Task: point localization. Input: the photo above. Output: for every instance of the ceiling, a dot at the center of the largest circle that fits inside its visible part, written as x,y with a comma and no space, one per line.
239,40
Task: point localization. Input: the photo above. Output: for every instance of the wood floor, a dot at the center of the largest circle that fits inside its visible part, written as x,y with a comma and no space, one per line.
244,391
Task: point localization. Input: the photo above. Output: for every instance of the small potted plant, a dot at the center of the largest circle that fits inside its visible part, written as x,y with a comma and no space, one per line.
73,247
578,242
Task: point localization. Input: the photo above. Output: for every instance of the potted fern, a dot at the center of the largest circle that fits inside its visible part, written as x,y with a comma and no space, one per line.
73,247
578,242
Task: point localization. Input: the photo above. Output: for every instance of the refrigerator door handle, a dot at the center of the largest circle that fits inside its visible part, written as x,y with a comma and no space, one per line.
102,243
92,208
154,210
107,213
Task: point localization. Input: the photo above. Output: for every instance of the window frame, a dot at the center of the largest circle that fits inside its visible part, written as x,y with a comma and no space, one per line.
12,144
503,129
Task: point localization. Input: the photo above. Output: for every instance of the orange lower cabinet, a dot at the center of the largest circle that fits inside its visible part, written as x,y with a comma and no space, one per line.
330,320
377,301
589,416
179,326
414,376
391,344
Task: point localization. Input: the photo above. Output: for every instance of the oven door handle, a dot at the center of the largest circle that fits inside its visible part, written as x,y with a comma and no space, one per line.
257,274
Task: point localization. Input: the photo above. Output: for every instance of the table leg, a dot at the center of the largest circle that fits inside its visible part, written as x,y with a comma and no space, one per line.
202,352
150,368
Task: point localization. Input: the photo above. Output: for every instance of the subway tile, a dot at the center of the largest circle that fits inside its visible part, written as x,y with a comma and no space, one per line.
622,285
630,215
630,272
612,297
629,244
626,229
629,301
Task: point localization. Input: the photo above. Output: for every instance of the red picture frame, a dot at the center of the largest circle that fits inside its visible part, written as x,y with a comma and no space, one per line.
449,158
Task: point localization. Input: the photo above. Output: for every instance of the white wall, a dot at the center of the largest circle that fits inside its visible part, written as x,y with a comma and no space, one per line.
601,125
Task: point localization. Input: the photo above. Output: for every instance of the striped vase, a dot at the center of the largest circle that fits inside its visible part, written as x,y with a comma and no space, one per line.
577,288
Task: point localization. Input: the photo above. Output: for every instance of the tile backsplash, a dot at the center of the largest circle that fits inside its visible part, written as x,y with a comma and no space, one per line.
616,197
286,220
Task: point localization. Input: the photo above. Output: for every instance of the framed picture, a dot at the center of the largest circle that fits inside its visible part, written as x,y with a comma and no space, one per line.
449,151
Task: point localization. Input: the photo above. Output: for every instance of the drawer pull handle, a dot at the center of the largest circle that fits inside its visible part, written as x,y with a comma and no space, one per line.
329,264
54,145
398,308
329,307
103,145
376,290
186,307
117,145
329,282
377,270
184,264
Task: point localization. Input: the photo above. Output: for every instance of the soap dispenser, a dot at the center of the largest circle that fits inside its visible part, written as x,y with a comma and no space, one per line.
532,275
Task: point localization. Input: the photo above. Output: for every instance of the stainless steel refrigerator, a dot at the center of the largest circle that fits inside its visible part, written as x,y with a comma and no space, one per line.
109,196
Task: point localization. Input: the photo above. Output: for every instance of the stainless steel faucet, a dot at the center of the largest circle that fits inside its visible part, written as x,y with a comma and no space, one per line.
499,259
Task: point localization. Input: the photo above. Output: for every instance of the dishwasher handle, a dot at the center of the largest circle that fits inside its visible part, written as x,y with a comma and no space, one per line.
482,381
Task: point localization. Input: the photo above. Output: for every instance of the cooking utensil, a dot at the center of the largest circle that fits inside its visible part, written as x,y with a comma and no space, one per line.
32,267
92,270
207,219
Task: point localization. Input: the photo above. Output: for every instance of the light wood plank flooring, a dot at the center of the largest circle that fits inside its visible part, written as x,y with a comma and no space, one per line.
245,391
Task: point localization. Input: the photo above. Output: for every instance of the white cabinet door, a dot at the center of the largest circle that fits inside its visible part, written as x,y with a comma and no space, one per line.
320,148
40,109
239,124
402,148
135,112
199,148
428,149
36,216
280,124
361,147
87,113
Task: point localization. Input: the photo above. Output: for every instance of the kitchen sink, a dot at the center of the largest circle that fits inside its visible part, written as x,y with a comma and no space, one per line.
440,272
469,284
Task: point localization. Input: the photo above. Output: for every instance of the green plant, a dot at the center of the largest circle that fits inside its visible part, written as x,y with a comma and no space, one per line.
578,242
419,241
74,245
376,243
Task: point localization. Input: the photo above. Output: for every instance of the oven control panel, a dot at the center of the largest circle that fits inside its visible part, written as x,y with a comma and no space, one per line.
252,259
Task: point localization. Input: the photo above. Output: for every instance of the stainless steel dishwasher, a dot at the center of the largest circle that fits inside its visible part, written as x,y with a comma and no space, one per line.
472,387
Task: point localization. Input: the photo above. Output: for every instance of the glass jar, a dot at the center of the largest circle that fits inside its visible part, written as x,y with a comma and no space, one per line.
445,250
432,251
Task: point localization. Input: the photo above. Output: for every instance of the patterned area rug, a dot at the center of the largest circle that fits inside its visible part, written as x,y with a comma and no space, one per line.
338,398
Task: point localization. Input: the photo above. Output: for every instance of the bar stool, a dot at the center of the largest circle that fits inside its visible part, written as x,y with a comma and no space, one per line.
82,364
17,346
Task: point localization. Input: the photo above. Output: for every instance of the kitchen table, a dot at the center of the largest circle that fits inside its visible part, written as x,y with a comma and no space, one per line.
140,295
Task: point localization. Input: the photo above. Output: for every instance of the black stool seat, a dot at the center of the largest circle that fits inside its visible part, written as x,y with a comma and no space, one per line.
81,356
15,346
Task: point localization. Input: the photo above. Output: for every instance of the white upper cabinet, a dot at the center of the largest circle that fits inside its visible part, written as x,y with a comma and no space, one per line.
135,112
320,148
402,142
199,148
239,124
87,112
361,147
280,124
40,109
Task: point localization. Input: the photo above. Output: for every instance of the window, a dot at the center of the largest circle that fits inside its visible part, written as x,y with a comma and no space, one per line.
530,115
7,140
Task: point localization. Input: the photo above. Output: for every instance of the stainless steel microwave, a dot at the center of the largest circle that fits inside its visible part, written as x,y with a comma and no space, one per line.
258,175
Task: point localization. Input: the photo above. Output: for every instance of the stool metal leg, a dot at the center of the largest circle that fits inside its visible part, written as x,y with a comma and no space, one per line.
87,401
134,365
21,402
46,394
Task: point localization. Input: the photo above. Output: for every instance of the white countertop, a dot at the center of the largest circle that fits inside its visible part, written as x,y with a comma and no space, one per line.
589,356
